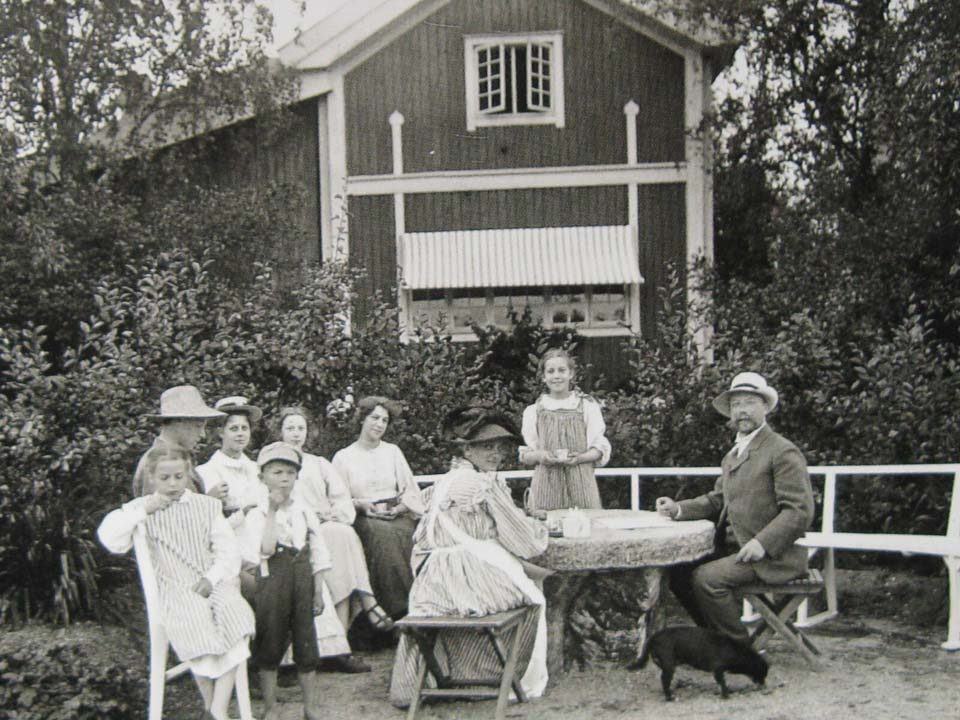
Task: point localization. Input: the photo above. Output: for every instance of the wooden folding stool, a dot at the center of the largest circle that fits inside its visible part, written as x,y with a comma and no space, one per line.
776,605
501,629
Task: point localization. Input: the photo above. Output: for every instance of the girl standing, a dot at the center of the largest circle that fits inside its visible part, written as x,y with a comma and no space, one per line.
564,436
197,561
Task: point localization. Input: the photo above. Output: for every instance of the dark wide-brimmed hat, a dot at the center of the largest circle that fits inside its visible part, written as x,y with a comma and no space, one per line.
477,423
239,405
183,402
746,382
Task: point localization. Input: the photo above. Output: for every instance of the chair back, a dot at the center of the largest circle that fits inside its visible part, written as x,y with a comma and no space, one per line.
148,579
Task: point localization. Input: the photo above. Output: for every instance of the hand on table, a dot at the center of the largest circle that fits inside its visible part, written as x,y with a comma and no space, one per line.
668,506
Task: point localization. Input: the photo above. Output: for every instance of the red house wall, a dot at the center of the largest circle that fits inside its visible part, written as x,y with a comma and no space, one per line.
421,74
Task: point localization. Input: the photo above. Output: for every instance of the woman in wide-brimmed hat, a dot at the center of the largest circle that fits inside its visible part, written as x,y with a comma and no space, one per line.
229,475
468,546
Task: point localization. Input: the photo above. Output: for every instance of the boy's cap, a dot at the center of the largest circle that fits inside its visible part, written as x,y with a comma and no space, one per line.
279,450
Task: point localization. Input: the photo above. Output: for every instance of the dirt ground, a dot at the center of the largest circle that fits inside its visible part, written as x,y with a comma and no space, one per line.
882,659
873,670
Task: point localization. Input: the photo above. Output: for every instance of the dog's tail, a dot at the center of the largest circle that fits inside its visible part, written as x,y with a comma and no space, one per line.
641,661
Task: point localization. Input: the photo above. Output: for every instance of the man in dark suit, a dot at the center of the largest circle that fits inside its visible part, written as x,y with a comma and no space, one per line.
764,494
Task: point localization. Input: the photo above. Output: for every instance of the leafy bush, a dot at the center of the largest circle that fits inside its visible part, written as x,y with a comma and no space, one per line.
57,681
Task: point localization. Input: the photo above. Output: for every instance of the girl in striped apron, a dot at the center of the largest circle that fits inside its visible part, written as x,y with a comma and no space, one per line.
564,438
197,562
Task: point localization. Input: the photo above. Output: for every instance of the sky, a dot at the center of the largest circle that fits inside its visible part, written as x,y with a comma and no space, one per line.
287,16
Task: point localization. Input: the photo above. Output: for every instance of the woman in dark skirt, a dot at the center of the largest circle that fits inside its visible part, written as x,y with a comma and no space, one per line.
387,501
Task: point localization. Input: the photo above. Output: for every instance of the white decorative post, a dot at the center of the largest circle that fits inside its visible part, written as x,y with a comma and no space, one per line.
630,110
399,220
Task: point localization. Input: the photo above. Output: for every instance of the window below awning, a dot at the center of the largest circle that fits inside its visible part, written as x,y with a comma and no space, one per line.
531,257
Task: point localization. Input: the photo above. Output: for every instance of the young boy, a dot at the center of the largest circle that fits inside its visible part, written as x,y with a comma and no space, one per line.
283,538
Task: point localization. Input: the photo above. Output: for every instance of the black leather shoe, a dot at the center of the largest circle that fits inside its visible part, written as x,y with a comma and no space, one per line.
348,664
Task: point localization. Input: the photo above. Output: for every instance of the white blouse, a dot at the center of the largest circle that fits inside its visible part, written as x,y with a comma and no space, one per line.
241,475
380,473
320,488
296,526
592,416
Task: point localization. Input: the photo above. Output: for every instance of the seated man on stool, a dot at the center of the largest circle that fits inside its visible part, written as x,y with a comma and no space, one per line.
764,494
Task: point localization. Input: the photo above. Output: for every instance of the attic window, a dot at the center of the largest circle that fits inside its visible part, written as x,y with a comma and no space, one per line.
514,80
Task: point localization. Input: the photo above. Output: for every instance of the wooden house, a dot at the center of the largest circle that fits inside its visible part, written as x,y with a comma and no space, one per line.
482,156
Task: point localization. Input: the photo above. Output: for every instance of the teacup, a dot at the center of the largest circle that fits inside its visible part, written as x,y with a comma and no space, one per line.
561,454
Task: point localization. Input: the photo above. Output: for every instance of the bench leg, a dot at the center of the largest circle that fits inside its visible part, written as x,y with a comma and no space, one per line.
503,654
418,687
766,608
508,672
953,627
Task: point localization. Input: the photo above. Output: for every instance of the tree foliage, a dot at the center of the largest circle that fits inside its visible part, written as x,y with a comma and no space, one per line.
82,77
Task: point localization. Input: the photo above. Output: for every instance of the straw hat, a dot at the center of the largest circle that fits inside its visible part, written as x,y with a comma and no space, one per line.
746,382
239,405
183,402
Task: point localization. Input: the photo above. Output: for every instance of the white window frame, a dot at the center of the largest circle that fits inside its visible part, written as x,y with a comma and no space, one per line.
629,325
493,116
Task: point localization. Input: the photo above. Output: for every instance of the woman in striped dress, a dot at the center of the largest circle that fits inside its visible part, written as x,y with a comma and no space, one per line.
197,562
563,435
467,547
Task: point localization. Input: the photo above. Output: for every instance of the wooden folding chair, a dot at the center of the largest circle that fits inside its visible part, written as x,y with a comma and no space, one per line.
425,631
159,643
776,605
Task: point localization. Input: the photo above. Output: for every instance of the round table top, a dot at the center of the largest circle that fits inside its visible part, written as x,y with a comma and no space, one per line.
657,541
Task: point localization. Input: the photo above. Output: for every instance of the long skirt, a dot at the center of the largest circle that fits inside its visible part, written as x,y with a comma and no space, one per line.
388,547
349,573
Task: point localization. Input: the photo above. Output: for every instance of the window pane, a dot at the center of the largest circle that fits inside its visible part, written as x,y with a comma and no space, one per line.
608,306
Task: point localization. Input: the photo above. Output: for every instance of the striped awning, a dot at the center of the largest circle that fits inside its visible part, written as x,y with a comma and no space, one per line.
602,255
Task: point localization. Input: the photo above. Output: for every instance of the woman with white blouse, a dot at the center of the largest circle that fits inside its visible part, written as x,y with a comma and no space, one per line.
386,499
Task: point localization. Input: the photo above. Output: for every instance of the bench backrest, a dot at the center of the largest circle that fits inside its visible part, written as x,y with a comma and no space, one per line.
830,473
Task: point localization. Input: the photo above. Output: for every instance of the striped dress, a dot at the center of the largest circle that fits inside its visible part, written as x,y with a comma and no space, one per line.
453,581
186,540
575,424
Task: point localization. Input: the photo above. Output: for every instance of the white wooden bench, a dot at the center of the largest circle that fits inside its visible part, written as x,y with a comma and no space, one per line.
946,546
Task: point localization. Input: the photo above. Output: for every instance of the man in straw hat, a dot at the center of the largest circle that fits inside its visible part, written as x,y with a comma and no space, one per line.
182,416
764,494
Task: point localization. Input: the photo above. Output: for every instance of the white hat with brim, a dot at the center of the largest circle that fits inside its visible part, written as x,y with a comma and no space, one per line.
239,405
280,451
746,382
183,402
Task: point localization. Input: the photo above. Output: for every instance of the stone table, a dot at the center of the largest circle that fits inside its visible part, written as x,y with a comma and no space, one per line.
583,565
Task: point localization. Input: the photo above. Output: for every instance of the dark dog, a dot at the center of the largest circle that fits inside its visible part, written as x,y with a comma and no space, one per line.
704,650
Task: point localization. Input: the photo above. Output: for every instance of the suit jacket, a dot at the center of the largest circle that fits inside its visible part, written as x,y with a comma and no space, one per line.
764,494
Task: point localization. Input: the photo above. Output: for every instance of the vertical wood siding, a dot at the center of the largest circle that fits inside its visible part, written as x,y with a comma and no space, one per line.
606,64
244,157
422,75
